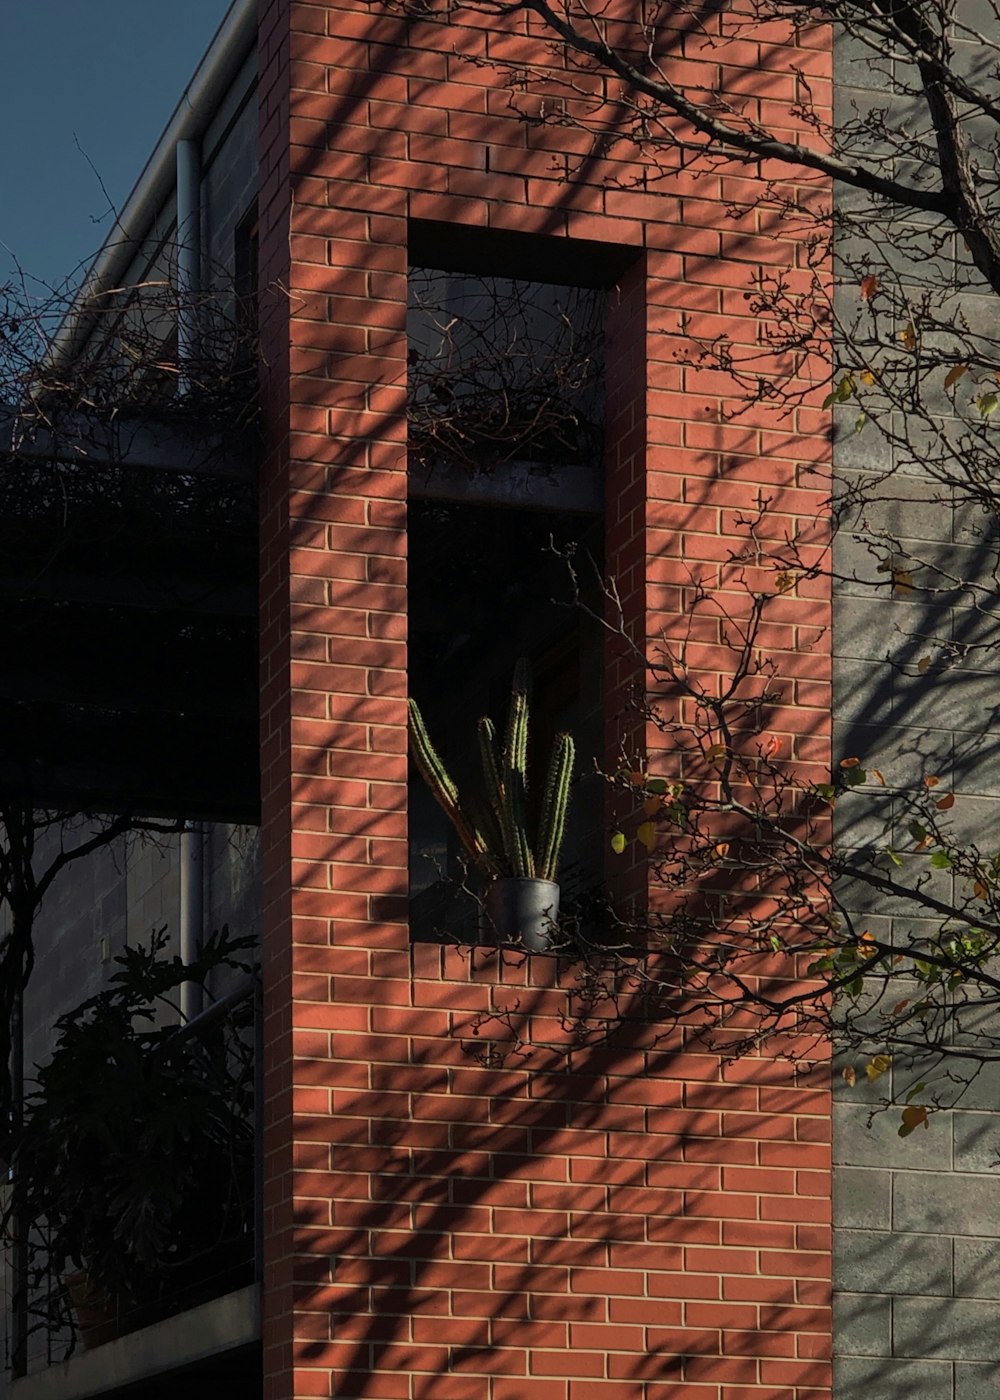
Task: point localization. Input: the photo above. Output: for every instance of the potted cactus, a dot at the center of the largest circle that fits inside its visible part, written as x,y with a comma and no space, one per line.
522,895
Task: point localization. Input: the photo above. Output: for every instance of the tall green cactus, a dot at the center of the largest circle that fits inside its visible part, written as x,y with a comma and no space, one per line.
495,832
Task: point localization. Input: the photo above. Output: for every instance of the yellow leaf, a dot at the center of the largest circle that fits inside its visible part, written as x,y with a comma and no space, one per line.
954,375
716,752
618,842
980,890
875,1068
868,376
902,580
908,336
785,581
646,833
721,850
850,1075
869,286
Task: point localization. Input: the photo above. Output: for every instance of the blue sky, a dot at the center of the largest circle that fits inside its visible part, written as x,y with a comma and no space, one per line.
86,82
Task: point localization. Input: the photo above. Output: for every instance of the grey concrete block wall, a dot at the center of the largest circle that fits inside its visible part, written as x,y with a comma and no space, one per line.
117,896
917,1220
121,895
229,176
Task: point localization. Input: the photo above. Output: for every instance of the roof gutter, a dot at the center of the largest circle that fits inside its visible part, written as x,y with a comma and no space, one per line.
223,59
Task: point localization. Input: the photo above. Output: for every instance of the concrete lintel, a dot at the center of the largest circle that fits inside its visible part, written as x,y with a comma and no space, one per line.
529,485
139,443
220,1325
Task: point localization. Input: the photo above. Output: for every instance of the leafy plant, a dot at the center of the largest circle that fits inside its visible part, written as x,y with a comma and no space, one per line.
137,1148
496,830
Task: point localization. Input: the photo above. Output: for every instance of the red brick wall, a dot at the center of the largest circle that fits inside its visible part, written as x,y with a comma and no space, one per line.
450,1212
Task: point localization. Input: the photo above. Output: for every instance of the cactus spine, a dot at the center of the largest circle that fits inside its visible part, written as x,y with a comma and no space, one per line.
496,832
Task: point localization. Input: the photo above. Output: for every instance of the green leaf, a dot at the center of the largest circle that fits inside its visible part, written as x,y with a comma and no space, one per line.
618,842
855,776
917,831
988,404
656,786
820,965
941,860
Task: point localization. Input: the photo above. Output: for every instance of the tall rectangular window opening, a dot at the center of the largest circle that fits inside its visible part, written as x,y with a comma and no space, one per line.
505,420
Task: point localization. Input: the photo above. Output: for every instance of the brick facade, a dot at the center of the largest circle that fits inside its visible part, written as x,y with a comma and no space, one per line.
443,1219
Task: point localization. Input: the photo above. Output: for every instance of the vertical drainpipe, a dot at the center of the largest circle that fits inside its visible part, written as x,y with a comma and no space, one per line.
188,255
192,845
192,911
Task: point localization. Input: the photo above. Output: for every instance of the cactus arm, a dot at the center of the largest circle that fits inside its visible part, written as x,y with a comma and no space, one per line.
555,804
514,820
438,779
523,679
491,768
518,847
515,754
492,815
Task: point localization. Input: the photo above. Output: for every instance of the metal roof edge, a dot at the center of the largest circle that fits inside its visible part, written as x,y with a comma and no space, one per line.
219,66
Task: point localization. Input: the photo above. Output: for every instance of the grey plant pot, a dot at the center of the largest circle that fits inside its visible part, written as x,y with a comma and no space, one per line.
525,912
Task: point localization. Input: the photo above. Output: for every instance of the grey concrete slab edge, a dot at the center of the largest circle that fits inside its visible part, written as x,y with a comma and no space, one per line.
221,1325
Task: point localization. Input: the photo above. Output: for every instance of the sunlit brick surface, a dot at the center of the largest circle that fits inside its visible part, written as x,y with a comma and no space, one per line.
449,1216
